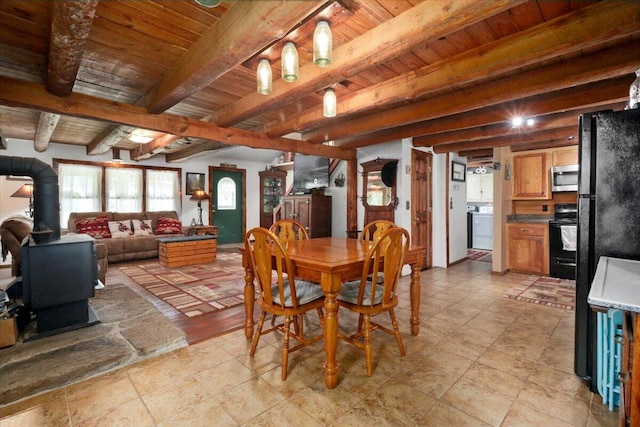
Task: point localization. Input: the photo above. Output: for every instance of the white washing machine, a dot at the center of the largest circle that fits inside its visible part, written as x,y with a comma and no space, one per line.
483,228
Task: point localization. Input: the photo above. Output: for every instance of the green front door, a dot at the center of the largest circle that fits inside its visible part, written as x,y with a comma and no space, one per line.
227,188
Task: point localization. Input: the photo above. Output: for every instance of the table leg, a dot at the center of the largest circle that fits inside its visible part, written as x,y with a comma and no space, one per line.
329,283
249,297
414,291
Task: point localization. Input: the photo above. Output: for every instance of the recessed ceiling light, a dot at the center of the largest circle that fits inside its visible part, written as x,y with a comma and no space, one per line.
516,121
531,122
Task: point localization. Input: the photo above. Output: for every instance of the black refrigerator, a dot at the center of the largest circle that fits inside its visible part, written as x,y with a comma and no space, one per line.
608,214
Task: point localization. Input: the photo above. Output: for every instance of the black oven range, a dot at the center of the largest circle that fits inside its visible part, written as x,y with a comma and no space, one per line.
563,241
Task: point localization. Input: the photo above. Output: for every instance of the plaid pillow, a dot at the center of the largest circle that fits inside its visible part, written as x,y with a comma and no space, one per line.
95,226
168,226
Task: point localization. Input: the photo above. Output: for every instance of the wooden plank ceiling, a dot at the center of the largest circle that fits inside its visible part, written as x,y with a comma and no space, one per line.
450,74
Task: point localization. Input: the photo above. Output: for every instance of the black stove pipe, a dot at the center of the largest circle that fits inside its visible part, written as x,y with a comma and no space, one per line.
46,200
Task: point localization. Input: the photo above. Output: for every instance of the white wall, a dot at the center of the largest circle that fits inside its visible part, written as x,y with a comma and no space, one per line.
400,150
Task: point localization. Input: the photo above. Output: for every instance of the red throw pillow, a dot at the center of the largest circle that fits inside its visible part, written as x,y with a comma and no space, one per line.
168,226
95,226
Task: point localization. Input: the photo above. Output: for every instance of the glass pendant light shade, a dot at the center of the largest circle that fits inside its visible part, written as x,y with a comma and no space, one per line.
209,3
329,102
289,62
263,75
322,44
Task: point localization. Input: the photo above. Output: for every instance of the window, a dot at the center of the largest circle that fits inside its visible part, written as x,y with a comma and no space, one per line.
163,189
80,189
96,187
123,189
226,194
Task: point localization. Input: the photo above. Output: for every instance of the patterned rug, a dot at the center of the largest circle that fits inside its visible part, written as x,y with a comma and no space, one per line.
194,289
548,291
479,255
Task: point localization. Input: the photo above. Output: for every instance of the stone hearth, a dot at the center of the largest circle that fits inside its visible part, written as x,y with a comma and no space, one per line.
131,329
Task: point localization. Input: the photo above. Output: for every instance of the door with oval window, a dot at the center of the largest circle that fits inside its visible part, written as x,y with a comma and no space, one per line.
228,210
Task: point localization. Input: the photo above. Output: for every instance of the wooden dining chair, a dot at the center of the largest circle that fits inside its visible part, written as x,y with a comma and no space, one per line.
375,228
280,294
375,292
289,230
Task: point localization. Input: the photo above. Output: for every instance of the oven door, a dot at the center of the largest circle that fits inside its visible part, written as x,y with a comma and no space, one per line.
562,260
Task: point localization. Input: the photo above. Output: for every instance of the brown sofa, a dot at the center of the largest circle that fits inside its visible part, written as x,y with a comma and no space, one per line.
133,247
13,230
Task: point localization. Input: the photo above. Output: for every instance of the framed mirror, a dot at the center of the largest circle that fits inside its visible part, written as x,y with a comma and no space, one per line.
379,189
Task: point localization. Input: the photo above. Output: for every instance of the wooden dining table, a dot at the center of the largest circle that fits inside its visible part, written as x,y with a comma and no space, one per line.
331,261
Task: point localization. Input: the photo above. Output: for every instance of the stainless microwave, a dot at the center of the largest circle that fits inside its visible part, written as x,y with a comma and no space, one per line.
564,178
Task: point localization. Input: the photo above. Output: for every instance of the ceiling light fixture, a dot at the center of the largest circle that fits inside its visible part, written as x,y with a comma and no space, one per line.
329,103
531,121
322,44
140,136
290,66
209,3
516,121
264,77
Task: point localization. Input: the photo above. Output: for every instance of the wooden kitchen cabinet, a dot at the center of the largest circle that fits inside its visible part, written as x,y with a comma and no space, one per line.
565,156
313,211
531,177
480,188
272,186
528,247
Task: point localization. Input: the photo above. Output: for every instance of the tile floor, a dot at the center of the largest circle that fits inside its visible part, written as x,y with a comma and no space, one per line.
480,360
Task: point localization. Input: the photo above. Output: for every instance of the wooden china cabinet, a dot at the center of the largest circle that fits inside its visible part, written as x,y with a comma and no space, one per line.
272,187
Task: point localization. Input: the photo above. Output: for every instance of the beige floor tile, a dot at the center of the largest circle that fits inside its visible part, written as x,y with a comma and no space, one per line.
400,401
98,396
284,414
31,402
156,373
428,380
249,399
480,403
442,414
208,412
132,413
52,412
201,357
446,361
494,380
559,405
323,404
511,364
297,379
224,376
523,416
178,397
559,381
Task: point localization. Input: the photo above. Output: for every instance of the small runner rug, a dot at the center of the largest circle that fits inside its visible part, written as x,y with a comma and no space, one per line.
548,291
479,255
194,289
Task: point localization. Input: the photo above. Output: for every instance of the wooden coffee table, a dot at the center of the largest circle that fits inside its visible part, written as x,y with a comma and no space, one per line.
186,250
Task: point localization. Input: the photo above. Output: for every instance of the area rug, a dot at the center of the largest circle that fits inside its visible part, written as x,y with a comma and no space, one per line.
548,291
479,255
194,289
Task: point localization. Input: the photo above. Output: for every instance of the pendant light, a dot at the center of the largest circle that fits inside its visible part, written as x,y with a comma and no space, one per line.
322,44
264,77
329,103
289,62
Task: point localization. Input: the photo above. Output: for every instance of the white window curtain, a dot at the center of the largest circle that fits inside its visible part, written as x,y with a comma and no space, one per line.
79,190
163,191
124,189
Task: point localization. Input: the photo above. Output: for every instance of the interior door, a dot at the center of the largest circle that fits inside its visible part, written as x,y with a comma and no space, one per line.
228,208
421,199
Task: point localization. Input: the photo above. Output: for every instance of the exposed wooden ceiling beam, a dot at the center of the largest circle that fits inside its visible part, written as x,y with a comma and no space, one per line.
154,147
425,21
107,139
70,25
570,33
46,125
19,93
546,135
244,30
604,64
544,145
598,94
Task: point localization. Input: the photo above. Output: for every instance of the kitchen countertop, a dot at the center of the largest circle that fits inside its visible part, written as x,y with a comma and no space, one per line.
616,284
541,219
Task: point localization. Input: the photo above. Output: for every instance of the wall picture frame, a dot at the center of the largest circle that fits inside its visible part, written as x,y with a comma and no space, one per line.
458,171
195,181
